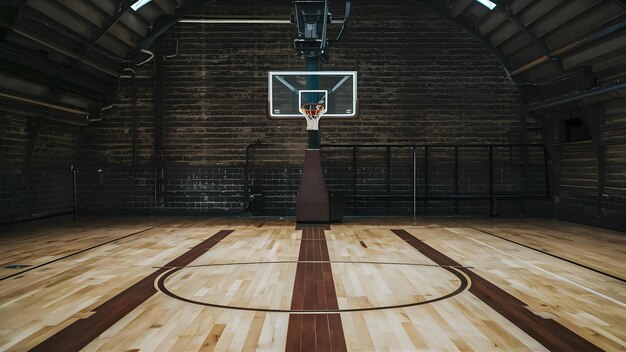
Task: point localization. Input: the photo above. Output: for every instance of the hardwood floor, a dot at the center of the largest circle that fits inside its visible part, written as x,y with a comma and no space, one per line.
389,284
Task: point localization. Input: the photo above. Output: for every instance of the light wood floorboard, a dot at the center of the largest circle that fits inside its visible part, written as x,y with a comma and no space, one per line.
372,267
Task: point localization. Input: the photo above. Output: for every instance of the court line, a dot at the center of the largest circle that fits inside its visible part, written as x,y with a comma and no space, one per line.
314,289
81,332
553,274
464,285
548,332
75,253
310,261
552,255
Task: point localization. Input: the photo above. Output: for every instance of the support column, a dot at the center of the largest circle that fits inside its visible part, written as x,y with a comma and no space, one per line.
312,204
593,119
312,83
159,145
32,131
312,201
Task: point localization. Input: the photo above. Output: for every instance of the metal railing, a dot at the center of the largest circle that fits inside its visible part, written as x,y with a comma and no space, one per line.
425,196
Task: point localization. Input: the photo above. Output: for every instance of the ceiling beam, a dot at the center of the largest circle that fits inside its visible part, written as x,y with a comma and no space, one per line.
444,11
9,12
571,46
30,111
503,8
32,65
42,102
164,23
123,8
41,21
458,7
41,34
570,98
90,42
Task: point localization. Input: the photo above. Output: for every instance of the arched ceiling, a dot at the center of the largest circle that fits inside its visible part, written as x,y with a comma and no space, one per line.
70,54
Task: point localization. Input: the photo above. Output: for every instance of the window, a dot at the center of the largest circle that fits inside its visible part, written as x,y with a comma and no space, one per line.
490,5
576,131
139,4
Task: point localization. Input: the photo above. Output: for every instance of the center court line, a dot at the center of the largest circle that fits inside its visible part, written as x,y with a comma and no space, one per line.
622,304
311,261
314,289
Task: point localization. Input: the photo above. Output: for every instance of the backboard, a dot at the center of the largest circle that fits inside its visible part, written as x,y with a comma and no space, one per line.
288,91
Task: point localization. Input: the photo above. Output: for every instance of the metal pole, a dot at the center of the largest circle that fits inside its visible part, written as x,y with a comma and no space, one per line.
591,92
354,180
312,83
159,119
527,175
74,190
491,198
425,180
524,151
388,179
133,113
414,187
456,180
155,189
546,171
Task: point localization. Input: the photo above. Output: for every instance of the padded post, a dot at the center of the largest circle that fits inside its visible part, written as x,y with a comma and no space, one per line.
312,201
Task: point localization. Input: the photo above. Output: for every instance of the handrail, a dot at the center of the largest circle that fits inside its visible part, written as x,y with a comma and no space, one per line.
427,195
496,145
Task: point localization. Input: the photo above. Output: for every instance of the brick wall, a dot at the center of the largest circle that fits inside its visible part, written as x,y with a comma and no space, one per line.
47,188
421,81
580,176
614,140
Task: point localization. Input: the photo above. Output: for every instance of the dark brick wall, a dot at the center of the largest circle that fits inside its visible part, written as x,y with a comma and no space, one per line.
579,174
614,140
47,188
421,81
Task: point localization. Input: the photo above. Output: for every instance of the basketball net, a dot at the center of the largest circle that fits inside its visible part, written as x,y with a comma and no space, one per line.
313,113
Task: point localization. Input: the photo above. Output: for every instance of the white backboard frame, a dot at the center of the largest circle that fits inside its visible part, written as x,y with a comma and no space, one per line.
349,74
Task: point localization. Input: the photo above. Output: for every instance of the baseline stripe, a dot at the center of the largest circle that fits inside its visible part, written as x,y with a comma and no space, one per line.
80,333
314,289
75,253
552,255
548,332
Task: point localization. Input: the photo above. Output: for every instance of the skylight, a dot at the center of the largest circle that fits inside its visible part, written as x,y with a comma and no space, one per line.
490,5
139,4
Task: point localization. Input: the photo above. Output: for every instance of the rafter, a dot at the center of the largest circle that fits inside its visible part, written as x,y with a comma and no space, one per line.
164,23
458,6
9,12
111,21
31,65
445,12
503,8
571,46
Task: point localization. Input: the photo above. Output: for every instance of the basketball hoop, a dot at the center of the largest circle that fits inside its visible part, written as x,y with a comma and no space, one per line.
313,113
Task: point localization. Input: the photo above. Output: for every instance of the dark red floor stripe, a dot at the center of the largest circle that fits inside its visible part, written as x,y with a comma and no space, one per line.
80,333
548,332
314,290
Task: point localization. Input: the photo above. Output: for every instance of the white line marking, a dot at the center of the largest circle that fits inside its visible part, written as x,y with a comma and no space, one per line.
553,274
